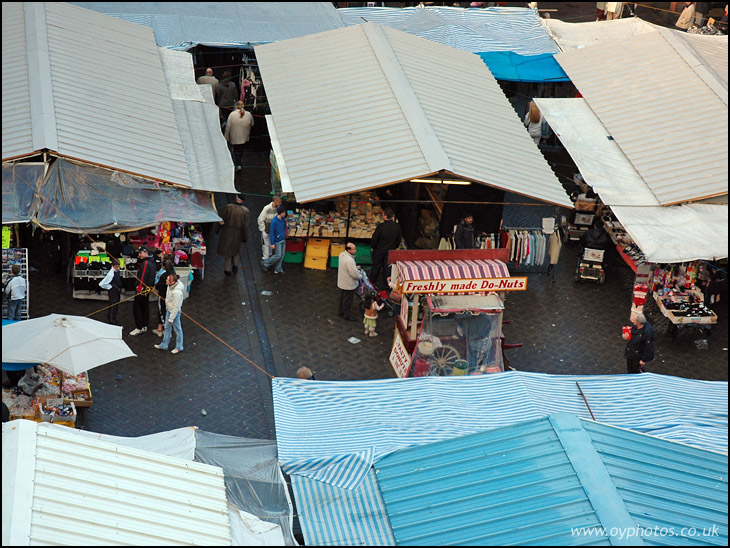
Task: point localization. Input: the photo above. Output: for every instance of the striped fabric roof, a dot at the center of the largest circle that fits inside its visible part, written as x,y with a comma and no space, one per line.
451,270
333,516
334,431
517,30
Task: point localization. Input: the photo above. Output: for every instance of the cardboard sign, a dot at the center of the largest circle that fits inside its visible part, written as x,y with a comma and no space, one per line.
476,285
400,359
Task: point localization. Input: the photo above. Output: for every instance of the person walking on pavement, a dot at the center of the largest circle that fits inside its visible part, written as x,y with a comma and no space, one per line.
15,291
238,131
387,236
348,278
640,345
146,276
113,283
264,223
278,241
173,302
464,236
233,231
226,96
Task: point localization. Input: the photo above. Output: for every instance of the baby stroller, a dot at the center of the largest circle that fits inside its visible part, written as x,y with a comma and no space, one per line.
366,287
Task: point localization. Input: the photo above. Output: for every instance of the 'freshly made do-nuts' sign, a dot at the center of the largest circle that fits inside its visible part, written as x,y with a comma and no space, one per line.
476,285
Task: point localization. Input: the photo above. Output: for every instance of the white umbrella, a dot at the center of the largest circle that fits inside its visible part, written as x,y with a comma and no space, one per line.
70,343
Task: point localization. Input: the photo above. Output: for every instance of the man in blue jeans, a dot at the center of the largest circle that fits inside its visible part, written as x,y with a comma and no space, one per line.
15,290
277,237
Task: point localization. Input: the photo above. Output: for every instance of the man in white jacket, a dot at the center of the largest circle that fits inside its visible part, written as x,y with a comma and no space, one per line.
174,301
348,277
264,223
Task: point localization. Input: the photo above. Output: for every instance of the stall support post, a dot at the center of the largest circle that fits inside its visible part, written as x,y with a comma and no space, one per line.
349,209
414,317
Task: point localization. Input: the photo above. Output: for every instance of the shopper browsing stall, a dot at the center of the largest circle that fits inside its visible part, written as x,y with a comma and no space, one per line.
387,236
15,291
174,301
264,223
278,241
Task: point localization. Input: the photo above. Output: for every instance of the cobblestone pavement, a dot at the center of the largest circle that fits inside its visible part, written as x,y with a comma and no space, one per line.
565,328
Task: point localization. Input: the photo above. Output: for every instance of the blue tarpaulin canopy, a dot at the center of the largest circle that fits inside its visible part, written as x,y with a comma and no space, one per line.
507,65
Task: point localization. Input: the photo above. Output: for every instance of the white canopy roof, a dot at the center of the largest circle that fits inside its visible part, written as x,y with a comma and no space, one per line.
61,488
370,111
662,96
93,88
666,234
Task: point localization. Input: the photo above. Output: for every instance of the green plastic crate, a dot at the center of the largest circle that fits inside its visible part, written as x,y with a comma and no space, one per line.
294,257
334,261
363,256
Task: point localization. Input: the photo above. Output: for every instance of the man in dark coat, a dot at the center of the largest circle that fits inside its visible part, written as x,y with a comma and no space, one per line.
464,237
146,277
640,345
233,231
387,236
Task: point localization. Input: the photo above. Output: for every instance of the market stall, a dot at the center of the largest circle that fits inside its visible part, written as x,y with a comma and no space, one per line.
183,241
451,304
55,352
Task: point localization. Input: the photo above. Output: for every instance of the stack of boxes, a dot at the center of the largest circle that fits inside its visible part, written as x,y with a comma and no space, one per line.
335,249
318,250
294,251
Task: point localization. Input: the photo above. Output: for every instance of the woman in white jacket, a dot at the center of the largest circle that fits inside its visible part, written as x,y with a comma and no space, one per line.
173,301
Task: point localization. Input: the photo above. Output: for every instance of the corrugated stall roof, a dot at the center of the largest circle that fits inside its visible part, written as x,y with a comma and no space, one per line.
383,122
67,489
580,35
666,234
665,108
519,30
16,101
100,92
539,481
233,24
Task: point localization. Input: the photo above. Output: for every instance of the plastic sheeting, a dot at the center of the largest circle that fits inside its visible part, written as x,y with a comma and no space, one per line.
79,198
19,184
507,65
254,482
492,29
666,234
580,35
223,24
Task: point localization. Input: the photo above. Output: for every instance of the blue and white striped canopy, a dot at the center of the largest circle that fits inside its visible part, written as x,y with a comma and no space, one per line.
334,431
518,30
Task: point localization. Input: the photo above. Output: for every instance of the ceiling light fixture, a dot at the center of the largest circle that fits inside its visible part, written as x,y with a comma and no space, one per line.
439,181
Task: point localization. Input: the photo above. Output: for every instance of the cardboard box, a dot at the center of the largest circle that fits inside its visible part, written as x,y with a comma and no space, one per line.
80,398
45,417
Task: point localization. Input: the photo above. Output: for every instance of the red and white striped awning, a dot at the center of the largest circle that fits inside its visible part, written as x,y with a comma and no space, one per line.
451,270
